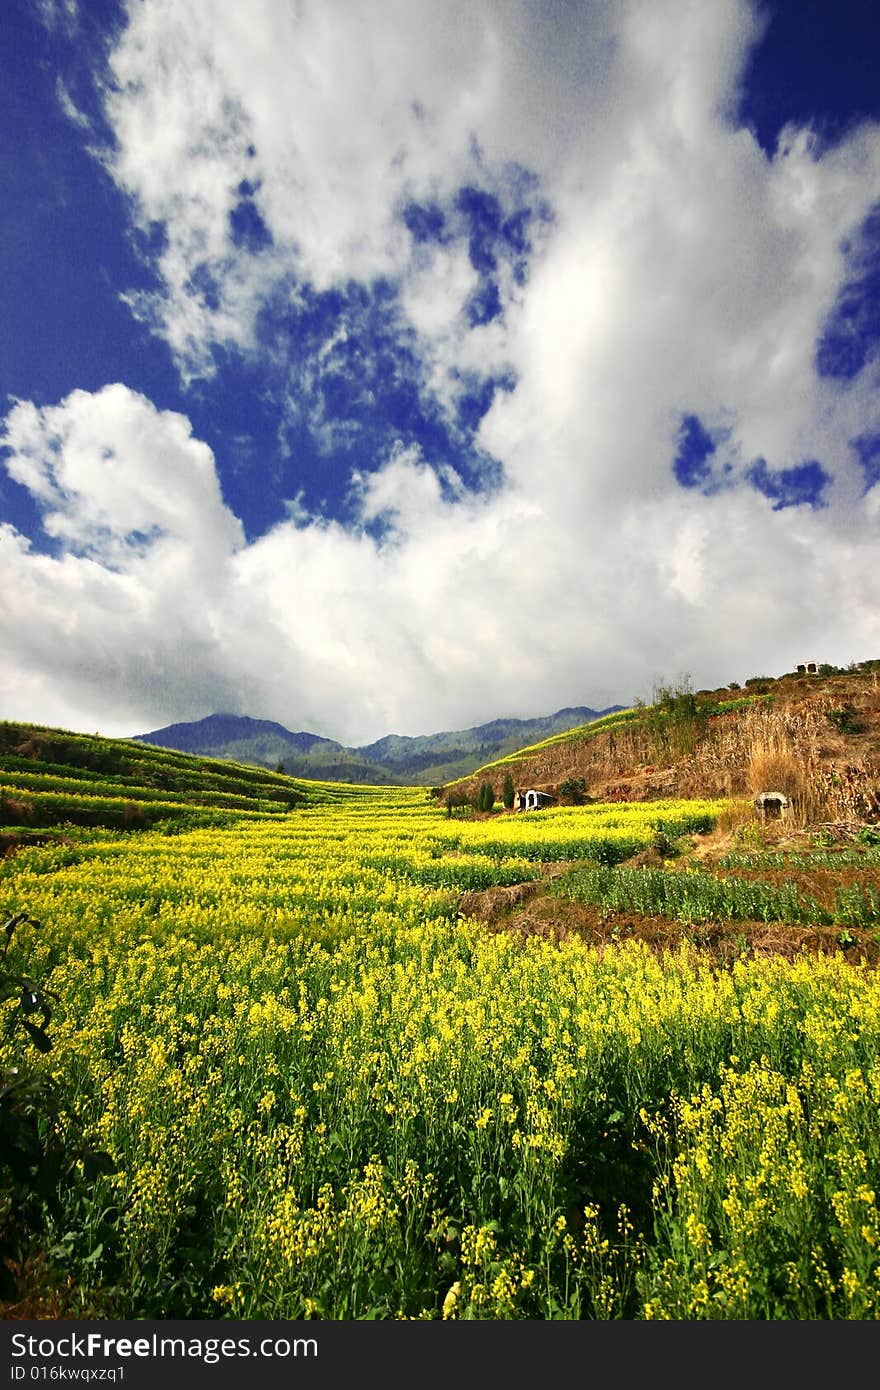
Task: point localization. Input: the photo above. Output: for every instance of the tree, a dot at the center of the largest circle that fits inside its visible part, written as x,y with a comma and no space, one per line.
456,801
508,793
486,797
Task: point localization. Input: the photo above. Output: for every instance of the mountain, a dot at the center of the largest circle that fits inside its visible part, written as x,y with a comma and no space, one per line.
237,738
431,759
441,757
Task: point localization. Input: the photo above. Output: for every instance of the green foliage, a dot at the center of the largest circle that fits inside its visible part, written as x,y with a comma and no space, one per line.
575,789
31,999
690,896
845,720
819,858
485,797
731,706
694,896
674,721
857,906
508,792
676,700
457,801
42,1154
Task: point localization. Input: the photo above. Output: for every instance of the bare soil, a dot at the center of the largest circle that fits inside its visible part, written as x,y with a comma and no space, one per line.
532,910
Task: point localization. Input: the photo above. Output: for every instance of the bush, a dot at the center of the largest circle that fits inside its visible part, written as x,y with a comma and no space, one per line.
575,788
845,720
457,801
674,721
508,792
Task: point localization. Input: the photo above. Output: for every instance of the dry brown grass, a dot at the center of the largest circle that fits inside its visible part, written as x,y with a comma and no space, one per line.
792,745
782,750
732,819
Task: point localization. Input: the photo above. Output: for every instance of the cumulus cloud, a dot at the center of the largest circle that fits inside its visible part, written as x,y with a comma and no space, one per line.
115,476
669,272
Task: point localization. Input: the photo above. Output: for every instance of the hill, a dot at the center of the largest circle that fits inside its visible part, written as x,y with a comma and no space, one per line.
396,759
52,778
815,738
232,735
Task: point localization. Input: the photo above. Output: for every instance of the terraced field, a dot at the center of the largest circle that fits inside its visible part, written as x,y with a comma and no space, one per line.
50,778
325,1084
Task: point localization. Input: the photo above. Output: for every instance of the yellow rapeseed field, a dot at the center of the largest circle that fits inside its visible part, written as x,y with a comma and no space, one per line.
328,1094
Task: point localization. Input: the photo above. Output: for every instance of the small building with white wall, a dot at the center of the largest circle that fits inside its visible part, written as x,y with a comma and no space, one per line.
533,800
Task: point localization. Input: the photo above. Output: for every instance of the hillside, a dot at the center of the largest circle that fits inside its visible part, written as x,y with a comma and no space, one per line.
396,759
814,738
52,778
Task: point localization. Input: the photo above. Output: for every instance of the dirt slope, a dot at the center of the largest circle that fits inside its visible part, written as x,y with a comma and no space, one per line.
816,739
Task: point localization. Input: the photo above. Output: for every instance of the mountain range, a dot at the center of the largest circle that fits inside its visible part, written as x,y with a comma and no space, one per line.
430,759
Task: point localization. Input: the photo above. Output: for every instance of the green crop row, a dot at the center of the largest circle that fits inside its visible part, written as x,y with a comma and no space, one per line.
693,896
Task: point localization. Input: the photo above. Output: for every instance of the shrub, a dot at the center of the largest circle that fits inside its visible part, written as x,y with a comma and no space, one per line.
457,801
674,721
508,792
574,788
845,720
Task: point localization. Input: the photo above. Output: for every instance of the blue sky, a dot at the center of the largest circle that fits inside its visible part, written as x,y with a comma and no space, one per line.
395,376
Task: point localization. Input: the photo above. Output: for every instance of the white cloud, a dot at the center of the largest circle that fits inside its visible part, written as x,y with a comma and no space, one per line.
684,272
117,478
471,607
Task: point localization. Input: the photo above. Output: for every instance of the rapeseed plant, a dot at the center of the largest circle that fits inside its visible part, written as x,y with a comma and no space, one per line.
329,1095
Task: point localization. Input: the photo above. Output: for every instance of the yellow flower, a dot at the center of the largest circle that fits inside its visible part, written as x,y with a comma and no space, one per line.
450,1302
